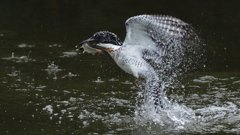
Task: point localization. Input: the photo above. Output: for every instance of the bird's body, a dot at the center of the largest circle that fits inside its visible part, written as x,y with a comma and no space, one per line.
148,40
129,60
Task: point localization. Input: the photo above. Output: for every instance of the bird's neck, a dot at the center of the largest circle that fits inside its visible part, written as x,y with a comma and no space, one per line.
110,48
107,45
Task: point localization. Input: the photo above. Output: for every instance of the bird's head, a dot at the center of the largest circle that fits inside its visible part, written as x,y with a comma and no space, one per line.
101,40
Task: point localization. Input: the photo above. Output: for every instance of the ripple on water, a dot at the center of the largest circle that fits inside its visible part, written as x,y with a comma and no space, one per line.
54,45
52,70
113,80
207,109
215,109
19,59
127,82
23,45
69,54
236,82
98,80
14,73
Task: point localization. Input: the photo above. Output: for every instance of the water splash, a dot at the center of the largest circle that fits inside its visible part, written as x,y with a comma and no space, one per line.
69,54
117,113
52,70
214,111
48,109
55,45
70,75
113,80
99,80
171,116
180,57
127,82
23,45
20,59
14,73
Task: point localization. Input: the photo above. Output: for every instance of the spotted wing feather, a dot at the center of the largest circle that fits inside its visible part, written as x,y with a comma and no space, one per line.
153,35
158,29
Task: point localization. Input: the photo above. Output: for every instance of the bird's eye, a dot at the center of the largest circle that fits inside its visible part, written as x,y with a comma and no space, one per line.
96,36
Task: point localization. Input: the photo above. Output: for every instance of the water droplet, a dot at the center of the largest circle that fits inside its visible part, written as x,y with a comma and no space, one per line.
113,80
22,45
127,82
13,55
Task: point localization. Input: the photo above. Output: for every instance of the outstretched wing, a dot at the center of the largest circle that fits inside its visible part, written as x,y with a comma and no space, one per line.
153,35
156,29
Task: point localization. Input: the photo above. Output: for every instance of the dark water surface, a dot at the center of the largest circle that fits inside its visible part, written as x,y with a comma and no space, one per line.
48,88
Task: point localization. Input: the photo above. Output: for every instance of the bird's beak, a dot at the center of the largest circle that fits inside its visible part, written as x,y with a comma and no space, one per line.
79,46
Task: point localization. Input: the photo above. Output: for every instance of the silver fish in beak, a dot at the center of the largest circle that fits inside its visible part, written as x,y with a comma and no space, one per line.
85,45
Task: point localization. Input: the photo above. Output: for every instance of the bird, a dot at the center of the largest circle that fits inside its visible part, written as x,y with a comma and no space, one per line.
149,41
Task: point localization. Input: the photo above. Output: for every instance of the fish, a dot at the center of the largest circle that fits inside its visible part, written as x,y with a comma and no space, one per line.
89,49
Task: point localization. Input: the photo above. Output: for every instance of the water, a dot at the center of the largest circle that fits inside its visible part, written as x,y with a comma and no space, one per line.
48,88
220,111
